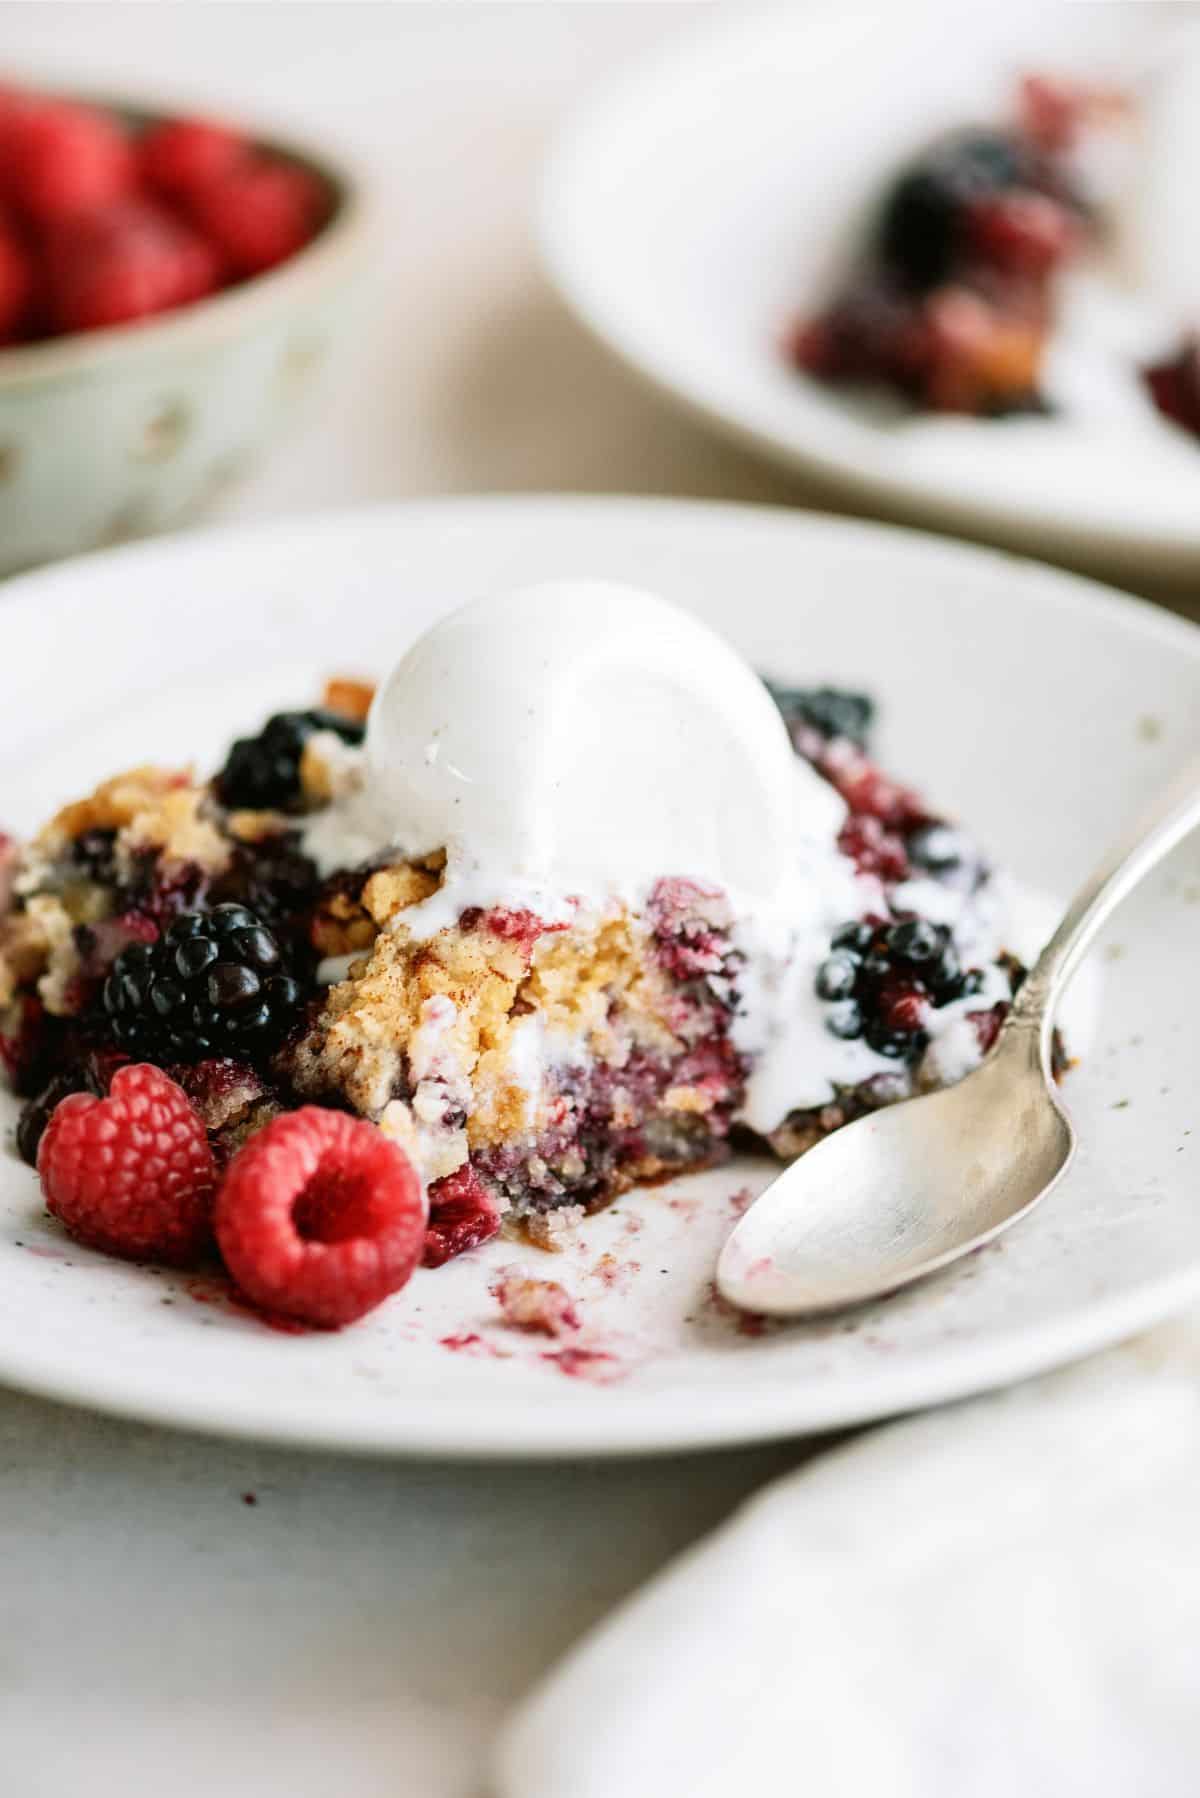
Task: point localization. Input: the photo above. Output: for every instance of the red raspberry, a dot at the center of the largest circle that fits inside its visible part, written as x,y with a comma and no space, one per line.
13,102
865,789
903,1007
16,284
131,1174
872,849
321,1217
126,262
260,214
462,1214
182,156
61,158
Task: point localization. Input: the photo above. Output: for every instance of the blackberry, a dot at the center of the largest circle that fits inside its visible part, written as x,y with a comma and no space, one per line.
845,1019
895,1044
216,984
857,935
946,978
37,1112
920,228
262,773
827,710
837,975
881,980
914,941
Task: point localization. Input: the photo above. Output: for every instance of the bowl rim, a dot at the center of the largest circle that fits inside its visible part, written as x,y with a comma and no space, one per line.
218,316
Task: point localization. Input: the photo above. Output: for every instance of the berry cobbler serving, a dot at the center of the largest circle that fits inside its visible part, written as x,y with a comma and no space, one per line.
983,284
575,902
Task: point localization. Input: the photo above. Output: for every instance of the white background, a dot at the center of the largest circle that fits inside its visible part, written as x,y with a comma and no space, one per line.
361,1627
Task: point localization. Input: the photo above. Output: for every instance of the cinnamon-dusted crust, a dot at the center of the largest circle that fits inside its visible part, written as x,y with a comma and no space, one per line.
577,979
360,1045
390,891
158,809
179,828
349,918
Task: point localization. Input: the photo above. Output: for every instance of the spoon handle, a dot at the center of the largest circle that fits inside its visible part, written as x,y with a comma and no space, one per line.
1169,820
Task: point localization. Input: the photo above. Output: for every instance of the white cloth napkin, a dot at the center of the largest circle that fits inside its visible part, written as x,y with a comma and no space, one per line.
999,1600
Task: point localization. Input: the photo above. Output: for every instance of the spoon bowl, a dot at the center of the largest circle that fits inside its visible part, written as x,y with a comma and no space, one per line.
894,1196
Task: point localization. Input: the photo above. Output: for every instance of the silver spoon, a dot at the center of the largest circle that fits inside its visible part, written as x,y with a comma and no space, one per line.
888,1199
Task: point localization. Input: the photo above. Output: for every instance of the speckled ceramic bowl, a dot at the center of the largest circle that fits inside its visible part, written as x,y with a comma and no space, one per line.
114,434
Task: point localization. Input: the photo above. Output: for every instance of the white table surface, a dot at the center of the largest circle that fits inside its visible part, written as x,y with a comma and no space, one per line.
360,1628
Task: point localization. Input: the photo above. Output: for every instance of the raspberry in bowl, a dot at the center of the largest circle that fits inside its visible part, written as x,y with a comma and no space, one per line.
169,286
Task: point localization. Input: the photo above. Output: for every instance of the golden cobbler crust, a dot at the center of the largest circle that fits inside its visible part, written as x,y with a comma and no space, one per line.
159,809
358,1046
370,1032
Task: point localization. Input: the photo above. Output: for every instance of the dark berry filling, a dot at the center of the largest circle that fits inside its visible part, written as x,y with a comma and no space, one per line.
93,853
613,1128
216,984
615,1124
882,980
276,881
463,1213
159,894
262,773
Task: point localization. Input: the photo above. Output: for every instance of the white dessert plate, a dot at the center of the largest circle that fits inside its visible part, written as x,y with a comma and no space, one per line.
1043,709
689,214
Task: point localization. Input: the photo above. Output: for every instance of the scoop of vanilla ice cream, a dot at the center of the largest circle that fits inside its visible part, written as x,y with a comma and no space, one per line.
582,734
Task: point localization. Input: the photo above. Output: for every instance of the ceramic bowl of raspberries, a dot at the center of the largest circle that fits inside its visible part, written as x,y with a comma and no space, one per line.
170,287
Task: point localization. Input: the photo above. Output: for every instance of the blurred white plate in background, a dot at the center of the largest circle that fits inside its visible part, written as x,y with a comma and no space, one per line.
690,213
167,650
